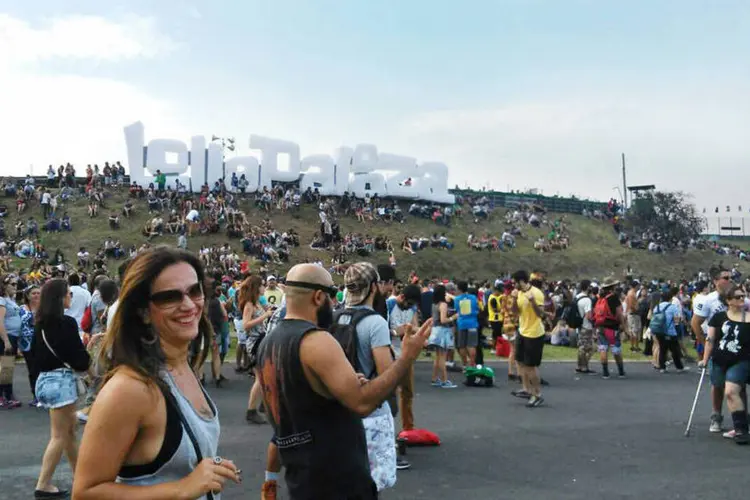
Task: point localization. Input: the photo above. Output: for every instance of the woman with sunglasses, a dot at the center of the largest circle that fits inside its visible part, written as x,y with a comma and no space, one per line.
10,330
728,348
29,309
58,354
253,321
153,431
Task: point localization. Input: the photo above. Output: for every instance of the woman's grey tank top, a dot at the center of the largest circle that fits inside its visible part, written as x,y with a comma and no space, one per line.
184,460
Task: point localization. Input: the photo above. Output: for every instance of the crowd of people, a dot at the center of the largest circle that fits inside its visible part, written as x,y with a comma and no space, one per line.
140,335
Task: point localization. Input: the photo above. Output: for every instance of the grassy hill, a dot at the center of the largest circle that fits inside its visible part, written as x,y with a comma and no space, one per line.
594,250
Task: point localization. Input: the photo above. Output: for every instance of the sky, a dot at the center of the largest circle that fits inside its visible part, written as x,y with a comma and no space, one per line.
510,94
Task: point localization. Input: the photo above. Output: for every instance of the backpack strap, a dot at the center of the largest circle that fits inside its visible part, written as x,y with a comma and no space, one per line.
357,315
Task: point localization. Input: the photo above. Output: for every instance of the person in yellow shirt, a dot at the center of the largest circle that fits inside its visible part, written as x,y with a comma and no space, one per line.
273,293
528,303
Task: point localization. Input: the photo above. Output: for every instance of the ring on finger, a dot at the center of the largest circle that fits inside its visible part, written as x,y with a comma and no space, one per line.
218,460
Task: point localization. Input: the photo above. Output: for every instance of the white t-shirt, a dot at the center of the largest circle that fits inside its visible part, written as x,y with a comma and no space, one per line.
46,198
584,307
705,306
111,311
79,301
192,215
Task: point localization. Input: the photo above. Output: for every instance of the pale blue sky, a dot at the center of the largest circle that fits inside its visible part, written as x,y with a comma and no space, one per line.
508,93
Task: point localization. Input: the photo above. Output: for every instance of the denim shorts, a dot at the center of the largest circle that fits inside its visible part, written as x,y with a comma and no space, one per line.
57,388
738,373
441,337
609,339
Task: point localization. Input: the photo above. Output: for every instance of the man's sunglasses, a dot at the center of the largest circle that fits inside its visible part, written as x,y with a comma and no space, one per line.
739,297
330,290
169,298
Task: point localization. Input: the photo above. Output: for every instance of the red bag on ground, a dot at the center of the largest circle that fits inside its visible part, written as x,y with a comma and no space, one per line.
502,348
419,437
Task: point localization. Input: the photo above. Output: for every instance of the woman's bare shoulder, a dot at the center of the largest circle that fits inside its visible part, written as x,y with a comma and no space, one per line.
126,386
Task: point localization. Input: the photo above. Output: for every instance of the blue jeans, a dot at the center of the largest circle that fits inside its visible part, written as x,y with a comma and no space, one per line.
738,373
222,340
57,388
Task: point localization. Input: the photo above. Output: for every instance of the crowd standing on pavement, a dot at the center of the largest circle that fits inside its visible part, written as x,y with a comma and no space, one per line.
333,366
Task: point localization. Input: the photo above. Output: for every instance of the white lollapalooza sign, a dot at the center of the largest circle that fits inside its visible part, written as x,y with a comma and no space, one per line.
361,170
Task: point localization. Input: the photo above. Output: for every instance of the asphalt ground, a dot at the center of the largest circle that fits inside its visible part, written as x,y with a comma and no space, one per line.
594,438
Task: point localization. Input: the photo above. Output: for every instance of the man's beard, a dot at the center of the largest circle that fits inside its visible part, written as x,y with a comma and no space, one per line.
379,304
324,315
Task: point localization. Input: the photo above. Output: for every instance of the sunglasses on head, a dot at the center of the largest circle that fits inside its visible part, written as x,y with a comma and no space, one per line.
328,289
167,298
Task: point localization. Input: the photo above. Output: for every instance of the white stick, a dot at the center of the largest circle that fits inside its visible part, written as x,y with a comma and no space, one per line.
695,402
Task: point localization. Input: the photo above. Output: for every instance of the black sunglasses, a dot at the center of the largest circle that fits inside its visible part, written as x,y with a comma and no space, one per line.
330,290
169,298
739,297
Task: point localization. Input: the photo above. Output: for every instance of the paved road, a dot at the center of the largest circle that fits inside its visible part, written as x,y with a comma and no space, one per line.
596,439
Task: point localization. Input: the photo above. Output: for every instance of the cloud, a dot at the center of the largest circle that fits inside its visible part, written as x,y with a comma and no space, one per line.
82,37
55,117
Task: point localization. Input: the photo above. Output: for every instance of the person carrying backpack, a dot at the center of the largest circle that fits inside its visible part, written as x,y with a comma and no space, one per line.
664,318
366,339
609,322
578,315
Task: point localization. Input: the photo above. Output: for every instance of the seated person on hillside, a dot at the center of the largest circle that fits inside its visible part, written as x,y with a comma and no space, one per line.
24,248
127,209
406,246
480,212
148,231
444,243
3,210
65,222
534,221
541,245
154,205
65,193
32,228
84,259
19,228
20,203
93,207
52,225
114,221
10,189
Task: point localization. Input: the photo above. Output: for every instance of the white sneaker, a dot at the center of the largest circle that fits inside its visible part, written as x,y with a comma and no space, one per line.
715,426
82,417
729,434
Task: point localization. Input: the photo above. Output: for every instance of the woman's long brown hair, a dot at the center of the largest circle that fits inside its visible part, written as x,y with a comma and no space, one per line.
249,291
129,342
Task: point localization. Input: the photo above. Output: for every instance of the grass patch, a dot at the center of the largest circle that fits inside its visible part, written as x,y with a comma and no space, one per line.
594,250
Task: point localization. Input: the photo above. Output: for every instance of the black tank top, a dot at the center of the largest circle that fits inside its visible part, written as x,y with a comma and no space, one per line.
321,443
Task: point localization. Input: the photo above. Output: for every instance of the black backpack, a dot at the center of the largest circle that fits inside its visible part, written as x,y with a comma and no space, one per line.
344,330
572,315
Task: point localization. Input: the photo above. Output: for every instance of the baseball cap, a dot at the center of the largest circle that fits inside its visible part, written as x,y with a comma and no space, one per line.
271,277
357,280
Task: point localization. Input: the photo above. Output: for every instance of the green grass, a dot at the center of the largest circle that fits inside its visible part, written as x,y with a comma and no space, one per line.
551,353
594,251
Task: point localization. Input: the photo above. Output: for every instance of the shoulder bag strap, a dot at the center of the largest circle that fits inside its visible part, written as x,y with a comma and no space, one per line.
171,400
44,337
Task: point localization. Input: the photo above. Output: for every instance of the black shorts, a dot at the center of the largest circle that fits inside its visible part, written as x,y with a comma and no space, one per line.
497,329
529,350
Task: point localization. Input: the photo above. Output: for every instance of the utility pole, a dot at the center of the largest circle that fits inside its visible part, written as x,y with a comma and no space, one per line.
624,184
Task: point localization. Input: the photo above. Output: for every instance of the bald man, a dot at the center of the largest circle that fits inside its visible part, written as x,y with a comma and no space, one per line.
314,399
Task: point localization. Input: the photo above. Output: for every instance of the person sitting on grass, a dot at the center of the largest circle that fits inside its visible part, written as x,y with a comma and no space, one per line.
114,221
65,222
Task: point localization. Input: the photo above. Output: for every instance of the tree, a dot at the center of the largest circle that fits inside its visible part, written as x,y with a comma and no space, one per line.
671,216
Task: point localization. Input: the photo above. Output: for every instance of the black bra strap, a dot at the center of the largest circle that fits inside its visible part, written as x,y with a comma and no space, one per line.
171,400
